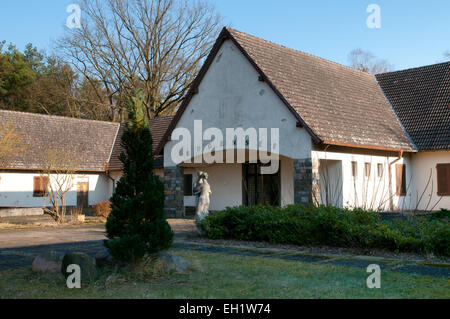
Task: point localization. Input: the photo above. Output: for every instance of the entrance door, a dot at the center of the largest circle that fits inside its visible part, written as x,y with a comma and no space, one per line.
259,189
82,194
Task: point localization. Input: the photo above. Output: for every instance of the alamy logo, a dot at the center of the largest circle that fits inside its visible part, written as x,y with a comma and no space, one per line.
209,146
374,280
74,19
374,19
74,279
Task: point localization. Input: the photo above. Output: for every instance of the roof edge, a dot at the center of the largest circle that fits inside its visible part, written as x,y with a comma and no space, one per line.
370,147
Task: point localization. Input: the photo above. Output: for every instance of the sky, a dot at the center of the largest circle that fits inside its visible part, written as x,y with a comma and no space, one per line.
412,33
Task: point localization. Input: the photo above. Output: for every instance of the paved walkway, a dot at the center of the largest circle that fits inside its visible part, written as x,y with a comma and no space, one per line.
19,247
18,238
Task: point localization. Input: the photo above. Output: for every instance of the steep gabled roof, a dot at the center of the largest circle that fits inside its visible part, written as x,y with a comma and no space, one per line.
421,99
334,103
89,141
158,128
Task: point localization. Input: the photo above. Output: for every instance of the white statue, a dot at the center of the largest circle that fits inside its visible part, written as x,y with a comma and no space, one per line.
203,191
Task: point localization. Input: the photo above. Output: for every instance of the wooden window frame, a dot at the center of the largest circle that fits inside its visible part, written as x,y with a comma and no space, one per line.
380,170
367,172
40,186
443,179
400,179
354,165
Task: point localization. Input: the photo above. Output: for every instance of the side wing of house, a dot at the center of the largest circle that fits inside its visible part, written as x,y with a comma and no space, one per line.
369,179
27,189
52,144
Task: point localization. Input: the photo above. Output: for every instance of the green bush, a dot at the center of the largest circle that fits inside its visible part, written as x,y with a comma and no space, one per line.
331,226
442,214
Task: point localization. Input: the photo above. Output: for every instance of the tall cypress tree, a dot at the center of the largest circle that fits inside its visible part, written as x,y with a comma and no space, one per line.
136,225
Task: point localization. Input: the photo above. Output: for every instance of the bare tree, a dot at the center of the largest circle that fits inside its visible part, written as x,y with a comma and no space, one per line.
447,54
11,143
154,45
59,176
365,61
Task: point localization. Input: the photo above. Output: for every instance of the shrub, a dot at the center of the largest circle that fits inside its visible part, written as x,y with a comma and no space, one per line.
442,214
102,209
331,226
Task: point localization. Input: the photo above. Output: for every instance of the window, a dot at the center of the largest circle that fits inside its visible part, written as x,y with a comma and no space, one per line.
443,179
367,168
380,170
354,169
400,173
40,186
188,185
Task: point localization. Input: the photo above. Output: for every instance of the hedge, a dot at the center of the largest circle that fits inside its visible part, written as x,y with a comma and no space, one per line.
330,226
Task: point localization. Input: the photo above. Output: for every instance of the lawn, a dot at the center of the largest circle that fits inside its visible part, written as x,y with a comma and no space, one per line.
217,275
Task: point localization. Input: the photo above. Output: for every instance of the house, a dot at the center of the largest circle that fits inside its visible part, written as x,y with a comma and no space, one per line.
94,146
338,136
346,138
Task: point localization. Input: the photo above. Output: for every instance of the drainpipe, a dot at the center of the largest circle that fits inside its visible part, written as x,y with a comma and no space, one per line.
391,203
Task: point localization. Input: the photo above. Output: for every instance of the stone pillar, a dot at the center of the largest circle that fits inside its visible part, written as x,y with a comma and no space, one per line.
316,182
303,181
173,192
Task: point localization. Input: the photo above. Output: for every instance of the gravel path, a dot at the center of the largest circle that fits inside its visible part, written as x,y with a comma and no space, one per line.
19,247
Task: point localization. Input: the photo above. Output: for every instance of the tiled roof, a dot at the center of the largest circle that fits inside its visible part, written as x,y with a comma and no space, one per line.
89,141
158,127
336,104
339,104
421,99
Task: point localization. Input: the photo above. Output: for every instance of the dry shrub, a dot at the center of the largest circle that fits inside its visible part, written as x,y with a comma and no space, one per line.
151,267
75,212
102,209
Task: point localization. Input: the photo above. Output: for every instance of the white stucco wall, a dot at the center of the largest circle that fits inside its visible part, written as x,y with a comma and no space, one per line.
226,184
424,166
372,192
231,96
16,190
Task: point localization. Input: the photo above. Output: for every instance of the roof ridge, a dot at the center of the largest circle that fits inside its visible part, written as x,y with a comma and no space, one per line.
56,116
416,68
305,53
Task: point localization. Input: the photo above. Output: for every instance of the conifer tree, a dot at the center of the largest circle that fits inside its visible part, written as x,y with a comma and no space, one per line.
136,225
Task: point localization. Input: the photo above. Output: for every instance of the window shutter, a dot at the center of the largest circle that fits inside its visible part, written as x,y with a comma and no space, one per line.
400,179
37,186
44,180
40,186
443,179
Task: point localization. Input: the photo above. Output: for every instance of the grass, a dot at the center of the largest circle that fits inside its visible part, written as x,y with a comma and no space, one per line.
217,275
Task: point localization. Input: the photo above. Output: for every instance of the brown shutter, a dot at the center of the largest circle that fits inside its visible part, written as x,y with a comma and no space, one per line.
40,186
400,180
37,186
443,179
44,180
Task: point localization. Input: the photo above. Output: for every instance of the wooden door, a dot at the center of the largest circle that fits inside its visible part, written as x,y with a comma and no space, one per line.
83,194
260,189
